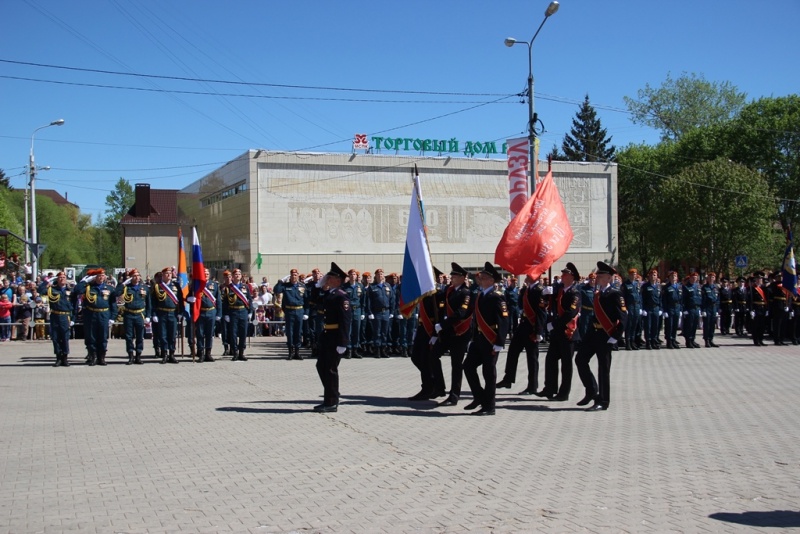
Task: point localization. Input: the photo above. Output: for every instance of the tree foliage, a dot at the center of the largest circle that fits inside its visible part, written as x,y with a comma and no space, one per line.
680,105
5,181
118,202
587,140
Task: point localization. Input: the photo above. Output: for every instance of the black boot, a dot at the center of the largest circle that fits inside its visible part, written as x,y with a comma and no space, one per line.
163,356
130,358
347,354
241,356
648,346
383,353
171,358
291,354
58,361
297,355
64,360
92,359
207,357
137,360
356,354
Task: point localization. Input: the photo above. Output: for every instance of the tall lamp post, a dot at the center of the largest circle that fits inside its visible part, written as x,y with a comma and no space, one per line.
27,226
509,42
32,172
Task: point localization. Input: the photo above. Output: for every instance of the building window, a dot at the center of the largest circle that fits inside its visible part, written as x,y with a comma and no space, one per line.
222,195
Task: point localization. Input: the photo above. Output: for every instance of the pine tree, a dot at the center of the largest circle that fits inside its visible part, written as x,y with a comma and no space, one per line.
587,140
5,183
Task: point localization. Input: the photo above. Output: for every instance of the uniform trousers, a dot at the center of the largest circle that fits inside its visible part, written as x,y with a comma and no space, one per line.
560,350
431,376
294,325
690,322
156,330
671,324
632,323
778,316
167,330
402,324
709,324
134,332
596,342
239,323
328,367
205,330
355,330
59,333
759,324
95,328
651,324
380,329
522,339
457,346
481,353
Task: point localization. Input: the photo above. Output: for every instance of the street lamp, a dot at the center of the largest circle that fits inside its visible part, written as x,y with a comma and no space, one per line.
32,170
509,42
27,230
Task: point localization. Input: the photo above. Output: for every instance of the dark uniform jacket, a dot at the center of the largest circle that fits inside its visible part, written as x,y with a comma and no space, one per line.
135,299
58,299
232,301
338,316
534,310
162,301
380,298
609,307
490,322
565,308
211,299
458,311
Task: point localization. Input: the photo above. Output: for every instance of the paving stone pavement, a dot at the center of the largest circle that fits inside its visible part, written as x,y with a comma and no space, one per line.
702,440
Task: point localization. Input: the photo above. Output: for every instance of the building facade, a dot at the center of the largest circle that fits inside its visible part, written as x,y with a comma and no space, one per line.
304,210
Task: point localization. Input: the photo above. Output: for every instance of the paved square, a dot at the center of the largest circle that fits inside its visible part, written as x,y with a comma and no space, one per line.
704,440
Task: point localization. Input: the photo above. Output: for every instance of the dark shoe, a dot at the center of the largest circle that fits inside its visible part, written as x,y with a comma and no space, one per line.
706,343
528,391
596,407
322,408
356,354
545,393
712,344
58,361
422,395
92,359
648,346
586,400
472,405
130,359
437,394
384,352
64,360
137,360
695,344
504,384
347,354
560,398
101,358
449,401
484,411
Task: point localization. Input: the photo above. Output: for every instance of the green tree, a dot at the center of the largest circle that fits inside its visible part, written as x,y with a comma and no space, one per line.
712,211
9,221
683,104
109,246
587,140
5,182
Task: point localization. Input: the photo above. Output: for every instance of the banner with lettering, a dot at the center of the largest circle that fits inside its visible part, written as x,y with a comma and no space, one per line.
517,174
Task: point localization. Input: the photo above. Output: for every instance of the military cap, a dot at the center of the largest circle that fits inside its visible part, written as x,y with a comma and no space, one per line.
95,272
571,269
294,271
337,271
437,273
354,271
366,273
758,274
61,273
490,270
651,271
456,269
711,273
741,279
133,272
726,279
604,268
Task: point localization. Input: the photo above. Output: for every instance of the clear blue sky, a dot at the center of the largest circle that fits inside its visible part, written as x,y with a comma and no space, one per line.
607,49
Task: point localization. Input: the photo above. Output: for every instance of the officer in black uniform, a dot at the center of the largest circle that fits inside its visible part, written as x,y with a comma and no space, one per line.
610,314
490,327
166,303
586,290
651,308
335,337
59,299
453,329
210,316
135,314
740,297
527,336
430,368
757,305
564,334
779,301
725,307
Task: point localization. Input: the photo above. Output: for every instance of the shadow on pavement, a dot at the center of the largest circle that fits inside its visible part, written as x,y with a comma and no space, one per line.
775,518
244,409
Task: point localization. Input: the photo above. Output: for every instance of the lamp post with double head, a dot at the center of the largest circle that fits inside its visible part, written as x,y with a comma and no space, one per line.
32,172
509,42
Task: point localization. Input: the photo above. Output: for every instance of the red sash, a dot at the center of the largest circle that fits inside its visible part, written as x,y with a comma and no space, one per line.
460,327
601,315
426,321
483,327
569,331
172,296
761,292
527,308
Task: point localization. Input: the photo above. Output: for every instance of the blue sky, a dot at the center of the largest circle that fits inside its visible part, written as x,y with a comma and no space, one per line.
607,49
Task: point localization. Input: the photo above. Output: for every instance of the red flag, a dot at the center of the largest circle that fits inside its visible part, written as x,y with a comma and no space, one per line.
538,235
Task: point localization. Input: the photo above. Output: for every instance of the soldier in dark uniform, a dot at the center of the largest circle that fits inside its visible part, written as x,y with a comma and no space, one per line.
740,294
355,293
757,304
166,303
671,297
365,333
651,309
380,302
61,309
430,367
210,316
794,320
690,305
609,311
99,309
513,302
633,301
453,330
709,306
237,303
155,328
490,327
725,307
135,313
528,335
335,337
312,315
586,290
563,328
778,307
223,326
292,297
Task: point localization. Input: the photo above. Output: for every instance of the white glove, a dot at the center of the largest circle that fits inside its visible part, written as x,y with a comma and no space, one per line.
341,350
661,314
767,313
400,317
438,328
371,316
539,338
547,290
685,313
305,317
752,315
433,340
612,340
191,300
217,318
391,316
469,344
155,318
111,322
362,317
791,315
147,319
786,309
666,315
72,323
88,279
702,314
497,348
549,327
319,284
643,313
227,318
127,281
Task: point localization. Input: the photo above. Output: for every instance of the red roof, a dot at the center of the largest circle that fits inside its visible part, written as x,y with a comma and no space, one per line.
163,209
55,196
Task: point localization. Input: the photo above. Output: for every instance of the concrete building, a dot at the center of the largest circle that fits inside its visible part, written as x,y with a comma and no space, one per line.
305,210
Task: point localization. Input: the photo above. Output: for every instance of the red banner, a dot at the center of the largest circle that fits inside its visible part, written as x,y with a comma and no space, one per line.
539,234
517,174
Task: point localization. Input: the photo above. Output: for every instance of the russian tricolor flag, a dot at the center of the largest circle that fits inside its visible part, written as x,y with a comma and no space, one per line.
198,274
418,279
